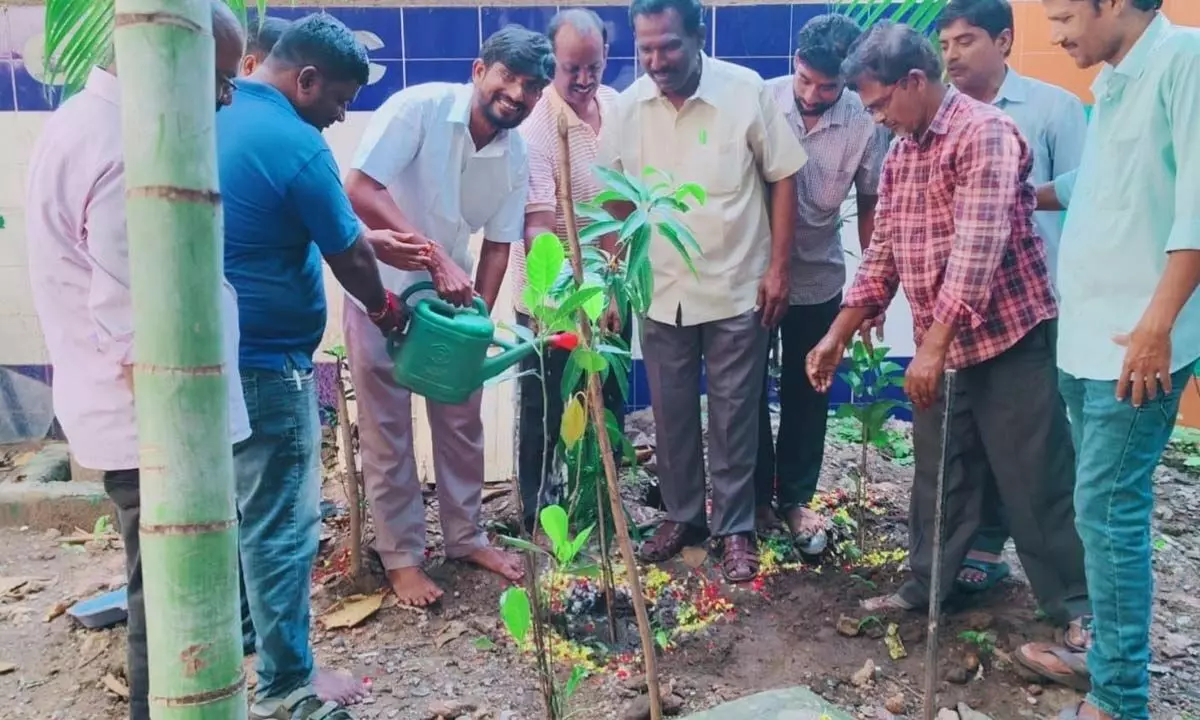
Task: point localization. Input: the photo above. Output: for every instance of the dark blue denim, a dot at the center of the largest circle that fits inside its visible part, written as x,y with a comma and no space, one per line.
279,495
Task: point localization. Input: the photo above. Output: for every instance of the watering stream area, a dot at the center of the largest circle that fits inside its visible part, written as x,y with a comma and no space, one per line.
798,626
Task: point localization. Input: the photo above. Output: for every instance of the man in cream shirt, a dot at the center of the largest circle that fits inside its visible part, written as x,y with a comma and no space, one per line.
707,121
440,161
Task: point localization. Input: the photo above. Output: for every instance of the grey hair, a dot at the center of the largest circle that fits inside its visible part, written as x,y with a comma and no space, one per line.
583,20
887,53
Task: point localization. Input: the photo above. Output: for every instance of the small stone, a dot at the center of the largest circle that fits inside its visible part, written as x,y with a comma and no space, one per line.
1035,690
966,713
848,626
1176,645
449,709
958,675
865,675
947,714
895,704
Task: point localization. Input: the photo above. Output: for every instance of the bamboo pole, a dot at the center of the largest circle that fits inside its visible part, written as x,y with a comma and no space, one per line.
351,476
596,407
189,543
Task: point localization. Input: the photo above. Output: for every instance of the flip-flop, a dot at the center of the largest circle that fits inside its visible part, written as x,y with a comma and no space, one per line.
1078,678
302,704
994,573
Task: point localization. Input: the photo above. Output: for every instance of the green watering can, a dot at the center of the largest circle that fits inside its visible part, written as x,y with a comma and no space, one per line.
443,352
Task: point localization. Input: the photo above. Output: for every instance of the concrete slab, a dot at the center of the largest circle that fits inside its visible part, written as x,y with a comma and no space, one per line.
60,505
796,703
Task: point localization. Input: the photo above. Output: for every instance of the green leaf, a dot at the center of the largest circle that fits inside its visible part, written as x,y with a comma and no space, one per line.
572,374
595,213
888,368
672,237
630,188
521,544
589,360
578,673
579,543
578,299
608,196
596,230
635,223
691,190
554,524
515,613
544,262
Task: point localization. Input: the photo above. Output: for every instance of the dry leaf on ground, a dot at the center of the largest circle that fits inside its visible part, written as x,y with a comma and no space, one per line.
115,686
452,630
6,668
353,611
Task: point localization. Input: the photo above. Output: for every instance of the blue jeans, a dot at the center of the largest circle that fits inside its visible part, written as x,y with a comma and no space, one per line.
279,496
1118,448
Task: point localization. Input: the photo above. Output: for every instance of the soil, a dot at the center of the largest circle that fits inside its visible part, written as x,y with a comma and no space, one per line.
457,660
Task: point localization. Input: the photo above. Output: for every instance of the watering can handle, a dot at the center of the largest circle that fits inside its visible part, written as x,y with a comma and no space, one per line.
479,305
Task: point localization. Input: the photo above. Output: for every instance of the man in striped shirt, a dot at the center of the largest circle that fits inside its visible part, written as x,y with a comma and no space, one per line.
846,149
954,226
580,42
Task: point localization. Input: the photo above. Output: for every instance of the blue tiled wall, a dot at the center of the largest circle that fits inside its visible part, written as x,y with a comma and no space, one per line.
420,44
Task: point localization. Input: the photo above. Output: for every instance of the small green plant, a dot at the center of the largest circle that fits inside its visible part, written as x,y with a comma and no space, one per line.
869,376
984,642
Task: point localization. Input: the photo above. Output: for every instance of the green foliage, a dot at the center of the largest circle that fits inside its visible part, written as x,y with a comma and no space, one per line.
870,374
79,36
984,642
919,14
516,613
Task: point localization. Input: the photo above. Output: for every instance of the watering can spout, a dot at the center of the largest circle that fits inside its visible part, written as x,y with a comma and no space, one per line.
518,351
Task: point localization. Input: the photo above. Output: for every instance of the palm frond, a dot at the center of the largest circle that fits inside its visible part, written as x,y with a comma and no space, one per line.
79,37
919,14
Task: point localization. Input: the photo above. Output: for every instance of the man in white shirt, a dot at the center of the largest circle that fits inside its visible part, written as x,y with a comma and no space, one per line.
440,161
79,271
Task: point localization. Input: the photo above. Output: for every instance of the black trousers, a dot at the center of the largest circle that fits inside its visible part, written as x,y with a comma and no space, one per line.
124,489
533,442
790,466
1008,428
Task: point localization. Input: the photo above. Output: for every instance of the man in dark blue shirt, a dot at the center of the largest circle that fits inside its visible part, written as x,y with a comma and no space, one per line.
285,210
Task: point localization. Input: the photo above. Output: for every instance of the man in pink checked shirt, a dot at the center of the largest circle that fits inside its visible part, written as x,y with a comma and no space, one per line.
954,227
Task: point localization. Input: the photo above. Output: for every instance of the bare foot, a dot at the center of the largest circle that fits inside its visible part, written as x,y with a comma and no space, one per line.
339,687
506,565
885,603
413,587
804,523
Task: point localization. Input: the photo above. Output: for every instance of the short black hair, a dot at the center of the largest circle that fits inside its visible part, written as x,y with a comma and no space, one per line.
264,34
324,42
521,50
690,11
888,52
991,16
582,19
823,43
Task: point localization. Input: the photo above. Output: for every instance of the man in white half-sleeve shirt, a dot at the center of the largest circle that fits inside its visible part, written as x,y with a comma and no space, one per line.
440,161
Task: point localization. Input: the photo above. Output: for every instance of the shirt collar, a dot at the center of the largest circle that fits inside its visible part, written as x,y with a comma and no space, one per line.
940,125
104,84
1134,62
707,90
1015,88
460,114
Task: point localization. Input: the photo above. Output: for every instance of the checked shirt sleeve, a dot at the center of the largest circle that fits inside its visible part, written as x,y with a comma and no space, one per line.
989,185
877,279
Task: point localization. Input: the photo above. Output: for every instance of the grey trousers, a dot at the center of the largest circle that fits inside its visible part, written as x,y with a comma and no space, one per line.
733,354
1008,426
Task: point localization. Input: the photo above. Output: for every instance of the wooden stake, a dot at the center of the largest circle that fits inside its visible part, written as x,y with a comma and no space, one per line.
935,582
596,407
350,476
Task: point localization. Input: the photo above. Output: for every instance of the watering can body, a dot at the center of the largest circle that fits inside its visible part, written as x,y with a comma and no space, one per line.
442,354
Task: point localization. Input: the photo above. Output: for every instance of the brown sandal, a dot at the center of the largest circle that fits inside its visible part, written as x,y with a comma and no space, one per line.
668,540
1077,676
739,558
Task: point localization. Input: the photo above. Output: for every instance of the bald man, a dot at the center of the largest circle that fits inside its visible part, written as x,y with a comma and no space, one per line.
79,268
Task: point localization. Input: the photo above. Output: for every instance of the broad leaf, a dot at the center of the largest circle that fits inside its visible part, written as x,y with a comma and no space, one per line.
590,360
691,190
520,544
516,614
633,190
544,262
596,230
554,524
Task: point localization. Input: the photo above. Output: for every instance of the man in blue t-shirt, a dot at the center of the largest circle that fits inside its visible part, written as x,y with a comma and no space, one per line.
285,210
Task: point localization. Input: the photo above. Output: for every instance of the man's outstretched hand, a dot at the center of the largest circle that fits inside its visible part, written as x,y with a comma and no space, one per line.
403,251
822,362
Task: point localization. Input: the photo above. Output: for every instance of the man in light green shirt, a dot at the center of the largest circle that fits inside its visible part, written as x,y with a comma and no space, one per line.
1129,330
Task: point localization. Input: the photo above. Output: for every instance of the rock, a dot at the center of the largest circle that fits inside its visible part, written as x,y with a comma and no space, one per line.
865,675
947,714
796,703
848,626
1176,645
1035,690
449,709
639,707
966,713
895,704
958,675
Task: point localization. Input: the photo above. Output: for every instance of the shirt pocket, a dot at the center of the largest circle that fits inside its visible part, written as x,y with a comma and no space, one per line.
828,182
485,187
719,166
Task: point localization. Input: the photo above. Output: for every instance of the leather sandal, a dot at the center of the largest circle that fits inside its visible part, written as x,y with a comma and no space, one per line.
739,558
669,539
1077,676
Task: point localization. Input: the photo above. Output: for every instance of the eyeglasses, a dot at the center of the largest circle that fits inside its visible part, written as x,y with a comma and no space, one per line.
881,105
